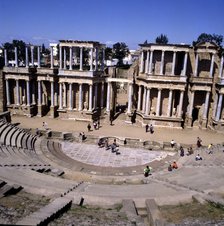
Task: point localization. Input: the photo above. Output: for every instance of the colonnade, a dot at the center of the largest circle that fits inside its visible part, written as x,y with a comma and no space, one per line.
218,106
149,62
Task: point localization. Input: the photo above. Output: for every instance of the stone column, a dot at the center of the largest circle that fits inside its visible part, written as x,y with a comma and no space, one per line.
129,99
196,65
32,57
219,107
162,62
52,58
28,92
144,100
95,95
91,59
80,97
205,112
215,106
65,96
70,58
96,60
90,97
38,56
70,97
81,58
52,94
170,103
33,93
158,102
102,95
191,104
185,64
103,59
60,57
17,92
16,57
212,65
7,92
147,63
148,103
221,68
39,93
65,66
174,63
108,96
150,62
6,58
27,57
181,103
142,62
139,97
60,96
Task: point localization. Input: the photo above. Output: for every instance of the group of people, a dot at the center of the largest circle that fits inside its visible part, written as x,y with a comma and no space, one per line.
149,128
96,125
172,166
103,142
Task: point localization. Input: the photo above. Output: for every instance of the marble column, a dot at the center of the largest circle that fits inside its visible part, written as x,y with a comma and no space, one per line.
162,63
150,62
91,59
185,64
147,63
212,65
81,59
70,58
70,97
108,96
43,99
65,63
139,97
65,95
52,94
144,100
38,56
221,68
60,96
181,100
33,93
191,104
196,65
27,57
17,92
16,57
32,57
52,58
129,99
215,105
219,107
96,60
6,58
80,97
142,62
102,95
7,92
158,102
95,95
103,59
174,63
205,112
90,97
39,93
60,57
28,92
170,103
148,102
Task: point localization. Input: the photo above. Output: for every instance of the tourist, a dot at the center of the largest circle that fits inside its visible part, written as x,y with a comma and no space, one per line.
98,124
199,141
181,151
170,168
174,165
146,128
151,129
172,143
198,157
147,170
95,125
89,127
106,144
190,151
101,143
210,146
82,136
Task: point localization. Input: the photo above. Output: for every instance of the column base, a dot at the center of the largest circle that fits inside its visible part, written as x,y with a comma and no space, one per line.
40,110
53,111
204,123
188,122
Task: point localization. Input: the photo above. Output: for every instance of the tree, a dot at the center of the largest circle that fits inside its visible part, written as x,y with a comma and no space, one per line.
119,51
204,37
162,39
108,53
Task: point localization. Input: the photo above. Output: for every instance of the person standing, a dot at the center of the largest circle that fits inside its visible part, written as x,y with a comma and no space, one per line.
89,127
146,128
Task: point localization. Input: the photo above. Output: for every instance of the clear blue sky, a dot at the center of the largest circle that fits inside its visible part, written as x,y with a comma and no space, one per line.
129,21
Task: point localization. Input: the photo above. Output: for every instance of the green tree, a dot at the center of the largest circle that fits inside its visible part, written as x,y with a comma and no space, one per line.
119,51
204,37
108,53
162,39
